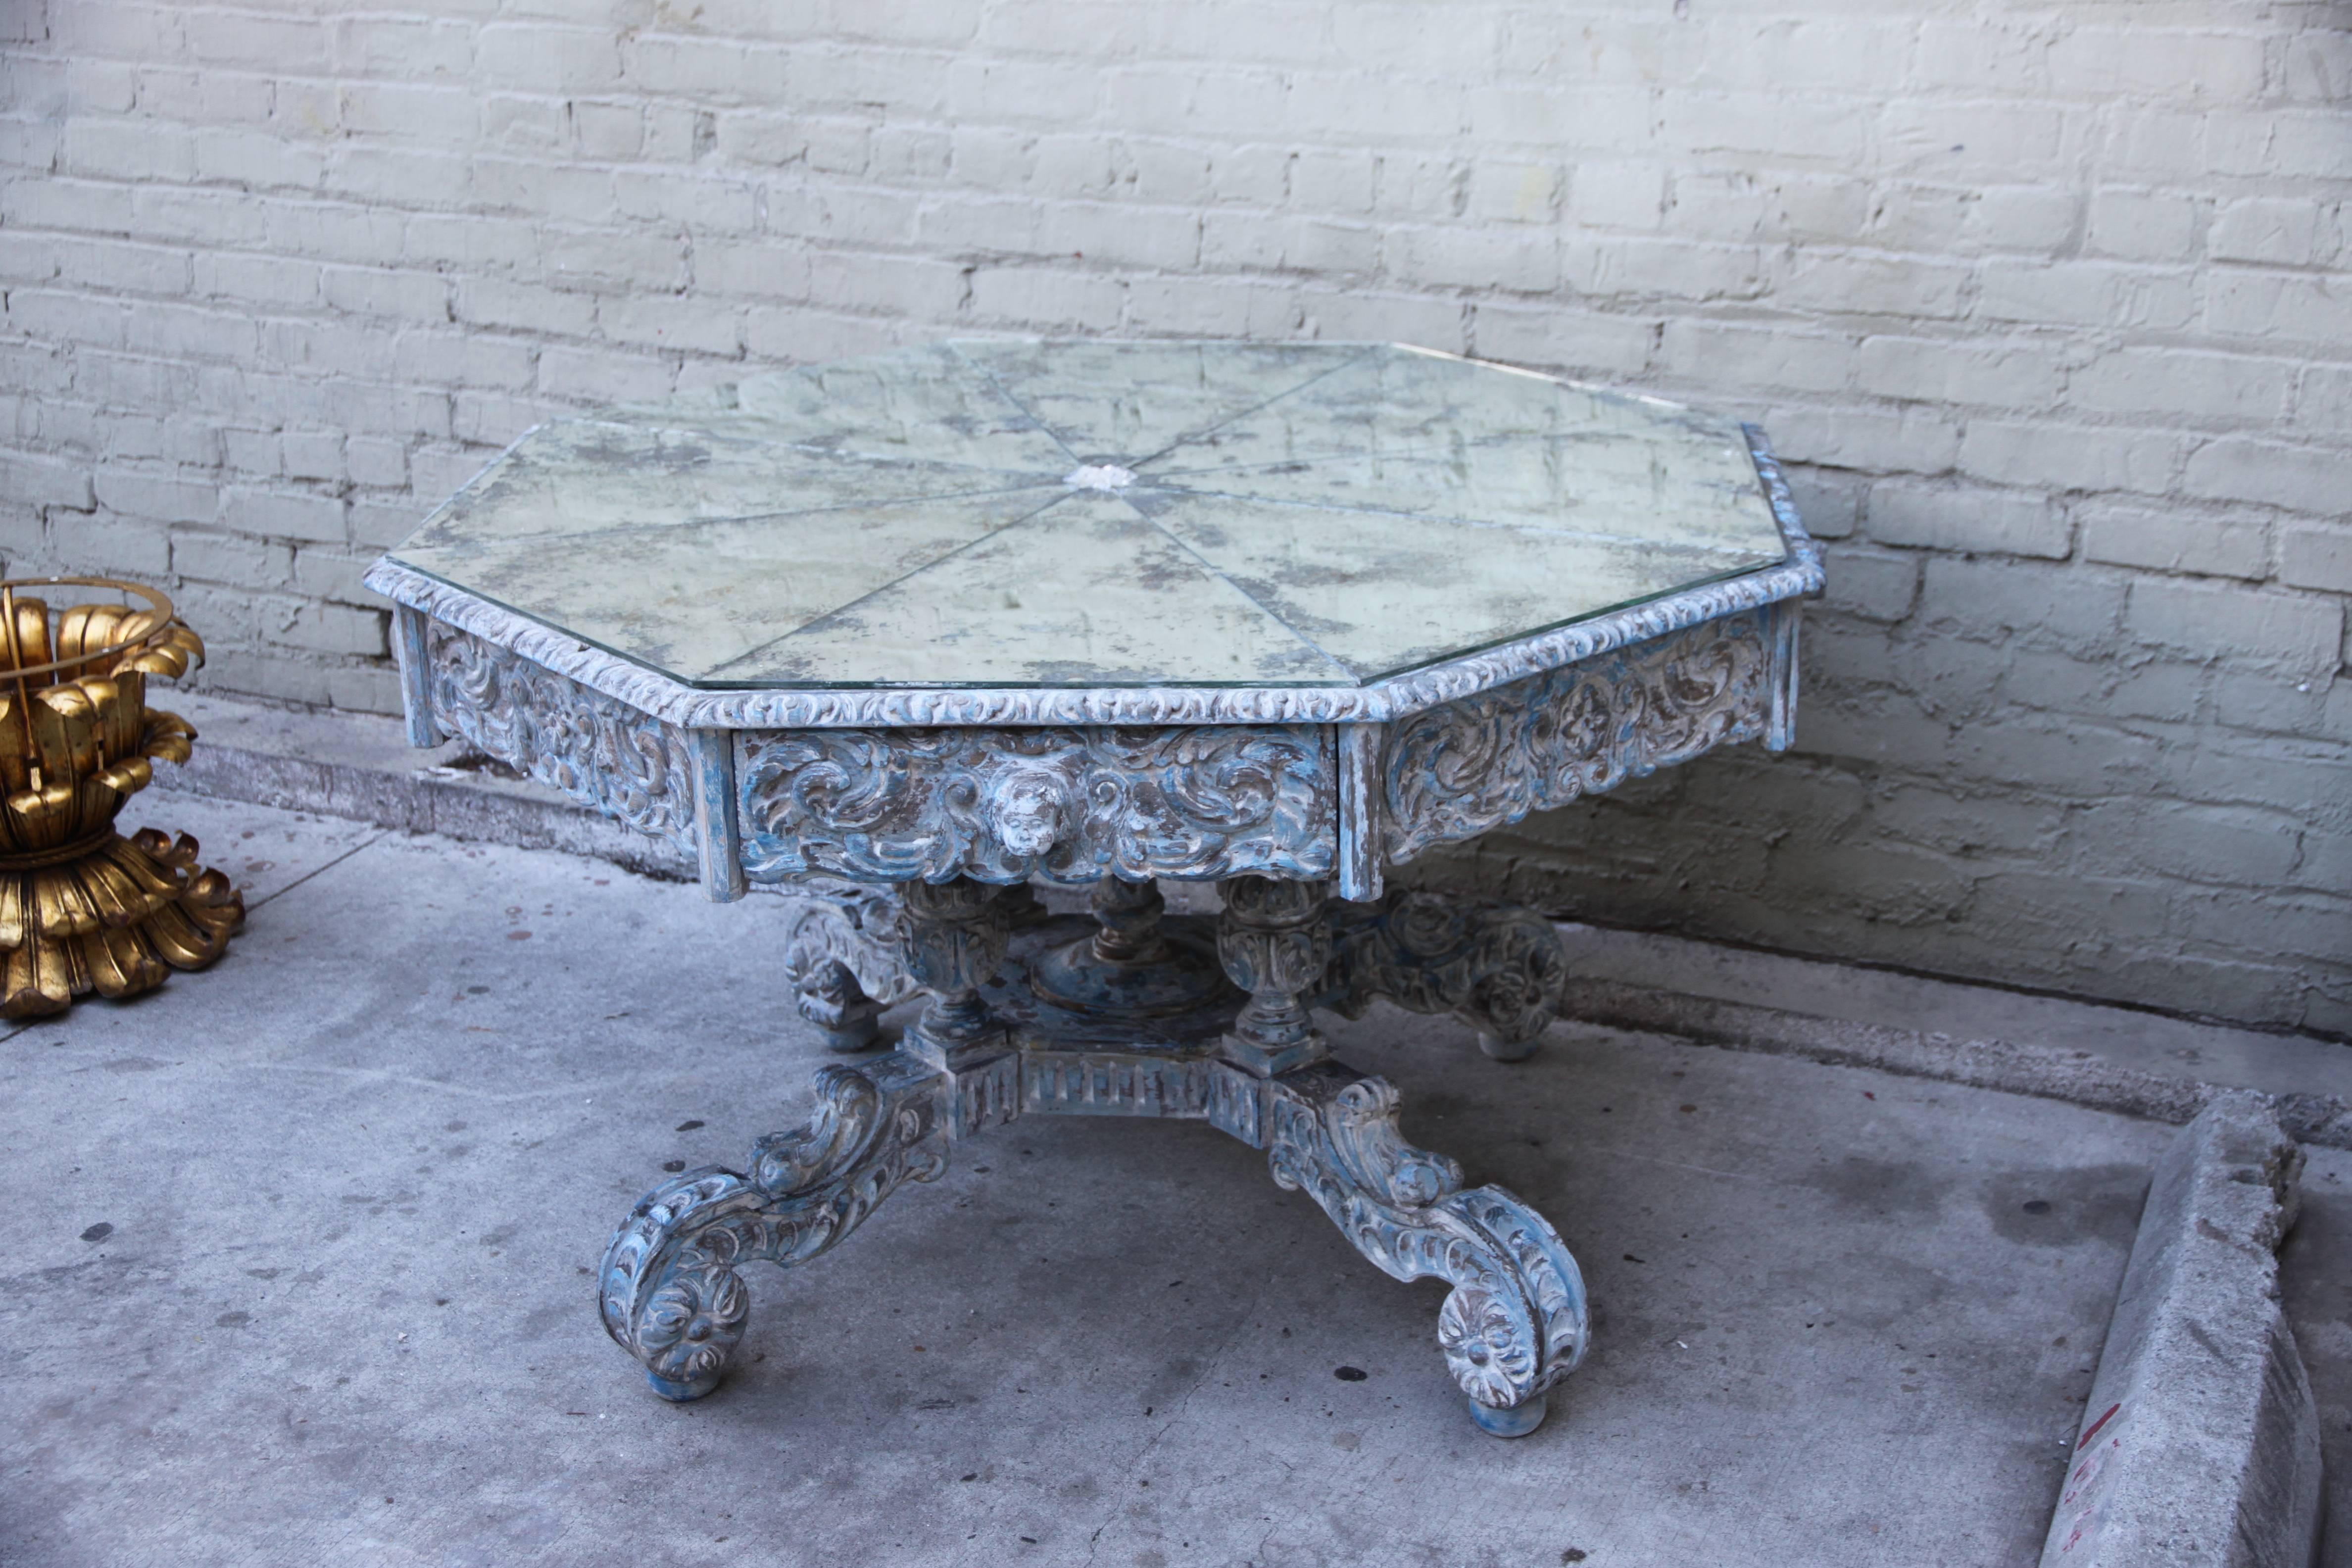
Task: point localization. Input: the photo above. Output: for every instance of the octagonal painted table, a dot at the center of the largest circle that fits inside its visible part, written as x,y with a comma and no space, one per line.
902,634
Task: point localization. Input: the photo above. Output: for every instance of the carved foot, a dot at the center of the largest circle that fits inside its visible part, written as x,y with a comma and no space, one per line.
1496,967
1515,1322
841,953
1516,1421
669,1288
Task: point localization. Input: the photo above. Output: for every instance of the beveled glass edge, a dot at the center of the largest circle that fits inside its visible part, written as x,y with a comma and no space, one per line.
1395,697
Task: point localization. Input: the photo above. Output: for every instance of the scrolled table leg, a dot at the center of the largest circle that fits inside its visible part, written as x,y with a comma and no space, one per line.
1516,1320
670,1288
1498,967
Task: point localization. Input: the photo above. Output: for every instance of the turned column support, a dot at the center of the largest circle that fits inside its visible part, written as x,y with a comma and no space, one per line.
952,939
1275,944
1128,914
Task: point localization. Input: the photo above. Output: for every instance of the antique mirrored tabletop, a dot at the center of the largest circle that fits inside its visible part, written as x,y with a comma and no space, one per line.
901,635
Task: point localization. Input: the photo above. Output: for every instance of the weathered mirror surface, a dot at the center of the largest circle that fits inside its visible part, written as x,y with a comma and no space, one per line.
1097,515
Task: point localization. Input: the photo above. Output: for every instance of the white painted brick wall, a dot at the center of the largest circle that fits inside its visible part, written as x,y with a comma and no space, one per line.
2049,304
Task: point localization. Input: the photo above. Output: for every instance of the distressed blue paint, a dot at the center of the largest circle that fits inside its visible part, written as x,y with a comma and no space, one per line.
1065,805
408,630
1511,1421
715,837
1282,781
669,1288
1781,723
1464,768
603,754
673,1294
1359,749
1496,967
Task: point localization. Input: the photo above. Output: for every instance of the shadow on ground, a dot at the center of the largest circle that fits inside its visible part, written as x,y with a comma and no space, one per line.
307,1241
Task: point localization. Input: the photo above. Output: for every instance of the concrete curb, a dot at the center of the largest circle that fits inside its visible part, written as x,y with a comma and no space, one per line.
362,767
2081,1078
2200,1447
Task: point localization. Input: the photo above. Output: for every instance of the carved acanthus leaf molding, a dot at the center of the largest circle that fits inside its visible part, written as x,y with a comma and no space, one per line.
1458,771
1498,967
1515,1322
602,752
670,1288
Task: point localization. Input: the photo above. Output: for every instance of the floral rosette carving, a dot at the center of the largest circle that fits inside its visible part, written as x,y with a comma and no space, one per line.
693,1322
82,907
1490,1344
1515,1322
671,1292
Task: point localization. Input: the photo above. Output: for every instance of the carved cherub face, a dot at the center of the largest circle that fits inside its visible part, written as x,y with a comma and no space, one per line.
1025,807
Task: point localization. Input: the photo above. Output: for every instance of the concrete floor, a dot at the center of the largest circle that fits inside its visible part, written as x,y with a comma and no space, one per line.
307,1243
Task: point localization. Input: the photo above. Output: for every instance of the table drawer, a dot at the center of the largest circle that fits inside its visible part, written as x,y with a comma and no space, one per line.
1068,804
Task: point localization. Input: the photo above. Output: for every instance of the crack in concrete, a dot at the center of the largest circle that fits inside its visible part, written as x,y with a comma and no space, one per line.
1208,1370
317,871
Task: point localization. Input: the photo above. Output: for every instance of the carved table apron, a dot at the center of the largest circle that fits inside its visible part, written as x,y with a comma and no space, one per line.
907,821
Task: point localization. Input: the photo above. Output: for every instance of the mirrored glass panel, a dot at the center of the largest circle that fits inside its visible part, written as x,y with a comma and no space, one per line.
1102,514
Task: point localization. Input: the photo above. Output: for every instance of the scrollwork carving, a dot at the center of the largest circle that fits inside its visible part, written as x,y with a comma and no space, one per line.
1516,1322
1456,771
671,1292
1072,805
602,752
843,951
1498,967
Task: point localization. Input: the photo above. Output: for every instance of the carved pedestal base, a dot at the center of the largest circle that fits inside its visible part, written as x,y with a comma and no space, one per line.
1498,967
991,1048
1128,967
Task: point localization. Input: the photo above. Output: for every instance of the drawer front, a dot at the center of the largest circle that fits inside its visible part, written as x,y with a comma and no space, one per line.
1068,804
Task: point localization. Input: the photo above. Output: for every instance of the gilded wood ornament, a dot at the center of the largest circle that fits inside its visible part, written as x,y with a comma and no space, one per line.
83,908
